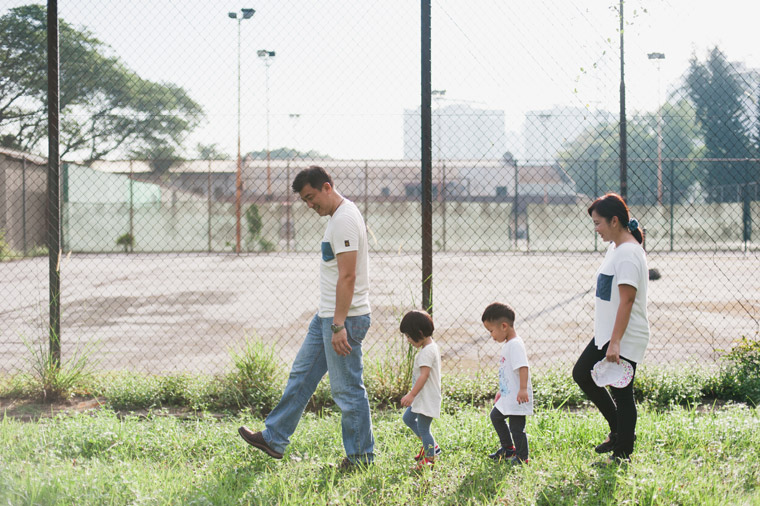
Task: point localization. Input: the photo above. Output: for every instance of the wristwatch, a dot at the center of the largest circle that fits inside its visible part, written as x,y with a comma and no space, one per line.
337,328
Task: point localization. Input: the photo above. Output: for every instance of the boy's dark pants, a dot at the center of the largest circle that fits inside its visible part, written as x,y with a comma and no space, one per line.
515,430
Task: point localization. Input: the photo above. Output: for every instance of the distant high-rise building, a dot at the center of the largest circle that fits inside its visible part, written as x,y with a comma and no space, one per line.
460,132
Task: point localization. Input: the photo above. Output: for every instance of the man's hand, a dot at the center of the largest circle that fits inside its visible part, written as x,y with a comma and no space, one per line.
408,399
340,343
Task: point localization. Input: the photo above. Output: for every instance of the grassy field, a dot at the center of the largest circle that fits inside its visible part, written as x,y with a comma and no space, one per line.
684,456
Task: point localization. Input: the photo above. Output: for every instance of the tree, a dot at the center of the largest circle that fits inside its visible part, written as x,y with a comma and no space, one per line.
717,91
105,107
592,159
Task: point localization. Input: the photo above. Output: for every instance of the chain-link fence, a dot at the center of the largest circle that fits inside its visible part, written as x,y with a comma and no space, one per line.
175,249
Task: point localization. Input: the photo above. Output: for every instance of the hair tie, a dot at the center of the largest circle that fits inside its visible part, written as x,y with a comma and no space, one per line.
633,224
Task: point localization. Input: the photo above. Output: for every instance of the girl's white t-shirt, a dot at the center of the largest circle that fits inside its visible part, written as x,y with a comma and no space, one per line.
428,400
623,265
512,358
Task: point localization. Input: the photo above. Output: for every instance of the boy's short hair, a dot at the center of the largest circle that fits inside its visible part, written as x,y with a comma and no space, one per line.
499,311
417,325
314,176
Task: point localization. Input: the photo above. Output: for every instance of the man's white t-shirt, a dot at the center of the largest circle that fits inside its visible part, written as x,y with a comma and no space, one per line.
512,358
345,232
428,400
623,265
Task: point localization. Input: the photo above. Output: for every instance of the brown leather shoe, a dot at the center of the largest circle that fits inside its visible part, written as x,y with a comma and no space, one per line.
257,439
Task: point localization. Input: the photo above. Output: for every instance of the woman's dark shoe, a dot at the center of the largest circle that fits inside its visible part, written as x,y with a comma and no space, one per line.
608,445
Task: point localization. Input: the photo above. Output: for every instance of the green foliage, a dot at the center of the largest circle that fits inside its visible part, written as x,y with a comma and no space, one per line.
5,250
127,241
460,390
719,93
257,379
105,106
253,219
389,377
740,376
667,386
129,392
266,246
683,457
555,387
54,380
592,161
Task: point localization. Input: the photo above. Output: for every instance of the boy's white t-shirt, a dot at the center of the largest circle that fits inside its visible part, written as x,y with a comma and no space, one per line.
428,400
345,232
623,265
512,358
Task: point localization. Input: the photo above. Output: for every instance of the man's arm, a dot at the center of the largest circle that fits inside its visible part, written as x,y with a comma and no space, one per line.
344,294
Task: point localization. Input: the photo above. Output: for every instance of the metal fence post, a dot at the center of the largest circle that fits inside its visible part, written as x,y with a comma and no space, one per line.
427,159
208,205
54,184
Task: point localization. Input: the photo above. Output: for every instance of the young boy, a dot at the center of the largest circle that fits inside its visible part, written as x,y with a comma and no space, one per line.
515,397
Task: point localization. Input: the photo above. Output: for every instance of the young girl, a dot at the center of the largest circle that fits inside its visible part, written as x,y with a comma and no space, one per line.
423,401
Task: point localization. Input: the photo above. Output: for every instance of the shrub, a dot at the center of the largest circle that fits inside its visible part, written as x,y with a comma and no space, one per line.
126,241
556,388
256,381
740,374
389,378
459,390
663,387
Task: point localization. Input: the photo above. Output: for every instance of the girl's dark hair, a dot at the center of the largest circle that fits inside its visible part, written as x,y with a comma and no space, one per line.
417,325
315,176
611,205
498,311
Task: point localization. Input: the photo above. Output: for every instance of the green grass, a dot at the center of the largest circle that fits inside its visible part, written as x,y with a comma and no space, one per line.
684,456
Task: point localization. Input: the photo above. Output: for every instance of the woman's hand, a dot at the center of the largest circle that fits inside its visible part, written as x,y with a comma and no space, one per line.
498,396
407,400
613,352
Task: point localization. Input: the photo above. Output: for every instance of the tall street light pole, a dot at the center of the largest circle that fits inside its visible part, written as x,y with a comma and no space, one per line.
244,14
658,57
267,57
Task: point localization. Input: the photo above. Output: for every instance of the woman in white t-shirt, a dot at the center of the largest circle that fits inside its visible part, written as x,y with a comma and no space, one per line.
621,326
423,401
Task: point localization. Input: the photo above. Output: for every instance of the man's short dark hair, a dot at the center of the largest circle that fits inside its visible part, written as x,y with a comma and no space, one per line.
499,311
315,176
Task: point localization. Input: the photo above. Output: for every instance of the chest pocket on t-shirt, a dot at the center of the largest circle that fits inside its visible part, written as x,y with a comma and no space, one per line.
327,252
604,286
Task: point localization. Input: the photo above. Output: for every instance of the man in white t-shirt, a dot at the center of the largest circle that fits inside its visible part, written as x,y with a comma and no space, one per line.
333,342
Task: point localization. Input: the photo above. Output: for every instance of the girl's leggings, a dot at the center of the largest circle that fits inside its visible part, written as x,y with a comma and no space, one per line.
420,425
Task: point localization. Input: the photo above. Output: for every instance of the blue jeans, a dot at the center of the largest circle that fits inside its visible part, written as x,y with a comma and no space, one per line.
420,425
315,358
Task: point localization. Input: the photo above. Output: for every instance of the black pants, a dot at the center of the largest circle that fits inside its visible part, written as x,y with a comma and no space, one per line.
619,409
515,429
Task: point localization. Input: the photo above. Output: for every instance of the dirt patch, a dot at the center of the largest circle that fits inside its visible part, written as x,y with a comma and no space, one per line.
28,410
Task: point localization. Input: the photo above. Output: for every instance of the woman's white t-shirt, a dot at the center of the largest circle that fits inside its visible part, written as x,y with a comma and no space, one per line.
512,358
428,400
623,265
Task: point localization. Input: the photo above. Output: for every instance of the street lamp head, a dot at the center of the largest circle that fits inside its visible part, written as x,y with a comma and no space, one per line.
247,13
656,56
233,15
263,53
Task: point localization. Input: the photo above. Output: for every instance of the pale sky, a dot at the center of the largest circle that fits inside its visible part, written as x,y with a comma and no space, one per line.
349,68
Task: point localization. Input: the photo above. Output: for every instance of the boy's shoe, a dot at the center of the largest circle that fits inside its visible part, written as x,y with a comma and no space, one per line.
502,453
517,461
424,463
256,439
422,452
